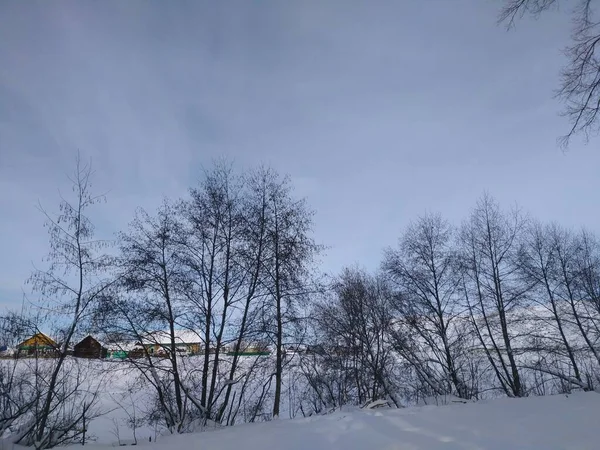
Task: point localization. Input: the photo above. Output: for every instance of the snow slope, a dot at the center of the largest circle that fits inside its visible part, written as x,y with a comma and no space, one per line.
553,422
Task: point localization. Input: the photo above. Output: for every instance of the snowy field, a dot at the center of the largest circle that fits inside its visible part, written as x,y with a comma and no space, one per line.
548,423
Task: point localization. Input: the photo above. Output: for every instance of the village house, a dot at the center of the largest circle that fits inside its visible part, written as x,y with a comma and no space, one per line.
120,346
249,349
89,347
158,343
38,345
124,349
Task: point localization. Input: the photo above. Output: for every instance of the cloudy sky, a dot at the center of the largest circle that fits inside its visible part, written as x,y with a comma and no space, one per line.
379,111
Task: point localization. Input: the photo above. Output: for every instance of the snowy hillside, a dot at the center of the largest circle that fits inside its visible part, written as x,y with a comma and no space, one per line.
552,422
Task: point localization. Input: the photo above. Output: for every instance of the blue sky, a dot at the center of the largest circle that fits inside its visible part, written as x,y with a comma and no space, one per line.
379,111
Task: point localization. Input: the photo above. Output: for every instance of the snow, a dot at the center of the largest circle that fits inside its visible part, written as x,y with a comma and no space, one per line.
552,422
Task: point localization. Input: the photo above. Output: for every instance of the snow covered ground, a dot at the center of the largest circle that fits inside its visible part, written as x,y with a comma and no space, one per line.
552,422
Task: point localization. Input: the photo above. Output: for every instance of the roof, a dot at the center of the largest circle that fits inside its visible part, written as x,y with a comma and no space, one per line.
164,337
37,337
94,338
125,346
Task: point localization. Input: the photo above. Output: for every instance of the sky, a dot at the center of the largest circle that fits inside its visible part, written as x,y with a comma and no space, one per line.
380,111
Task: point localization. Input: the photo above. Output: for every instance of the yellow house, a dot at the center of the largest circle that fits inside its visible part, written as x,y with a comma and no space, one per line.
38,343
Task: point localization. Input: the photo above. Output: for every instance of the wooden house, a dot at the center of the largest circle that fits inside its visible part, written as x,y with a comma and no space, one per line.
39,344
89,347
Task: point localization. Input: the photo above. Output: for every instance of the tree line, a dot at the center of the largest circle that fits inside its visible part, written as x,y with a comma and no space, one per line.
498,305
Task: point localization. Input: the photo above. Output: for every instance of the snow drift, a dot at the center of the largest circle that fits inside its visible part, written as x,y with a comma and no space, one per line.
552,422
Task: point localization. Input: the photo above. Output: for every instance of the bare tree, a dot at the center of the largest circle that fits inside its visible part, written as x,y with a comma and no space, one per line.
154,281
580,85
589,271
74,280
423,270
250,256
543,263
226,248
213,245
492,286
231,263
288,254
18,396
583,292
355,323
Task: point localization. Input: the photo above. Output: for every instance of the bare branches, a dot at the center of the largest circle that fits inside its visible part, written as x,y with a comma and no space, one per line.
74,279
516,9
423,269
580,78
355,353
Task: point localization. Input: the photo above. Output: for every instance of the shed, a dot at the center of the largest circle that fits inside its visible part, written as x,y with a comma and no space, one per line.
89,347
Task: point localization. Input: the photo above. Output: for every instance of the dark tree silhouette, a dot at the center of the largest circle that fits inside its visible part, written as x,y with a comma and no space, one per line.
580,78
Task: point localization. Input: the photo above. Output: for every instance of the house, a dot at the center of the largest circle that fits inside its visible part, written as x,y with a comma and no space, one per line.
39,344
89,347
249,349
122,349
158,343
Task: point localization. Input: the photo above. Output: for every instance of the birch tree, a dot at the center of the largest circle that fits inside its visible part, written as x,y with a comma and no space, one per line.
213,248
544,262
287,262
423,270
493,288
74,280
153,281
